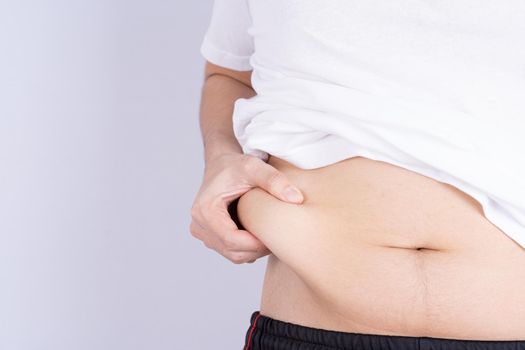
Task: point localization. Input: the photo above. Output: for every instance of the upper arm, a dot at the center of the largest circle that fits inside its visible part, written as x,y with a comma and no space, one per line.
228,44
244,77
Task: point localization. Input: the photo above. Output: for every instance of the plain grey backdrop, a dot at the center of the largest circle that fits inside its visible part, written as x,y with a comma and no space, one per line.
100,160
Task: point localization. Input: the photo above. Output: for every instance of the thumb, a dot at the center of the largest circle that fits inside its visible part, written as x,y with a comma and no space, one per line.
276,183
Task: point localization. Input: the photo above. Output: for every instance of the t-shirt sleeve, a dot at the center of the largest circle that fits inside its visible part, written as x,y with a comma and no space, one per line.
227,42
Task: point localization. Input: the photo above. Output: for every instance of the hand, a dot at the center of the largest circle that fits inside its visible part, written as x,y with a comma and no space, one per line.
226,178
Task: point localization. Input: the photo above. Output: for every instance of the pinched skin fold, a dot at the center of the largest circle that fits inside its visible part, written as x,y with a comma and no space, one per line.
375,248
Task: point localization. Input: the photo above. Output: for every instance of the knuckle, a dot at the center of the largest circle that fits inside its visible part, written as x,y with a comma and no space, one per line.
250,164
193,229
195,209
194,233
274,179
237,257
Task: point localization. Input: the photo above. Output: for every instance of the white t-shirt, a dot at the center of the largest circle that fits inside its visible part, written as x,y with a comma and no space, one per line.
436,87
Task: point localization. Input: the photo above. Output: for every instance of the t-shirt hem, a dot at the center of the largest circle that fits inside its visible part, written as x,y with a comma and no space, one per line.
312,156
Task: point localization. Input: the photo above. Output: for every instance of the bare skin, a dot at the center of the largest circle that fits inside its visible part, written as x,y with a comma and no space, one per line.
375,248
228,172
369,248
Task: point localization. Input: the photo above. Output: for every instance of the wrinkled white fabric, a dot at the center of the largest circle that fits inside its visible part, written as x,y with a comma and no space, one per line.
436,87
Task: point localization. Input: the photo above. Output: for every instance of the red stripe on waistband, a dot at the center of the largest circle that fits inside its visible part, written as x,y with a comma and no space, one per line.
251,331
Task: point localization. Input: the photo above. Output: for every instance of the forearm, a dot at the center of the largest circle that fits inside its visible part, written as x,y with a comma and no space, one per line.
219,93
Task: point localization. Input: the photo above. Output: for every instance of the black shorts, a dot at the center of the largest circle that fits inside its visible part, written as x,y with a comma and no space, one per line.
266,333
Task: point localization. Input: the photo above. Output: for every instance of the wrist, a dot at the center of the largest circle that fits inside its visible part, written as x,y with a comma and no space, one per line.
215,146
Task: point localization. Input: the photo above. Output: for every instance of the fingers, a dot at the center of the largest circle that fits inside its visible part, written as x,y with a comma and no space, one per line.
215,228
243,256
226,178
274,181
232,239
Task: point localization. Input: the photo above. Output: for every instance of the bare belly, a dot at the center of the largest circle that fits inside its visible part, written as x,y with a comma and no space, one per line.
379,249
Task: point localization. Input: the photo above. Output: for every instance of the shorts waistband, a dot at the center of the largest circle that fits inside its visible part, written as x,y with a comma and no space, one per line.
266,333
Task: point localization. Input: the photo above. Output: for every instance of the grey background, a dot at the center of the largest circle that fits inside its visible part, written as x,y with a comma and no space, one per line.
100,160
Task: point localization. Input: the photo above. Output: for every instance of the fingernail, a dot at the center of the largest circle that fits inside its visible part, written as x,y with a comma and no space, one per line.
292,194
